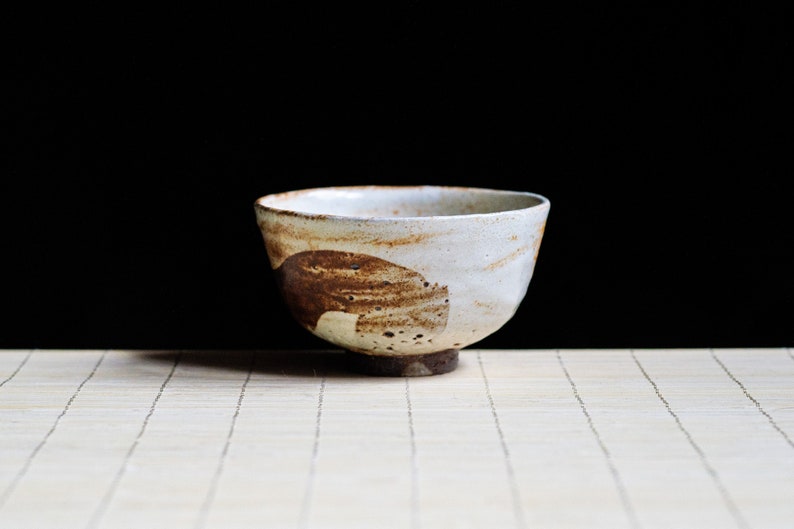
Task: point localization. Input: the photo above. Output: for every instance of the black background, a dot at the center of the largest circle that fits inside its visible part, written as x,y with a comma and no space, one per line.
137,142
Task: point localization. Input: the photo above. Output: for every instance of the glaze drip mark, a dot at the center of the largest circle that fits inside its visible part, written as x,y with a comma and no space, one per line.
381,294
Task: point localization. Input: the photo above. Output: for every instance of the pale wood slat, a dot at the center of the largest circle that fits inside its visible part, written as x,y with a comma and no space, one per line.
515,438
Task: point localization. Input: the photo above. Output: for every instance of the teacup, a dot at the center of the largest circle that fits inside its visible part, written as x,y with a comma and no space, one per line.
402,277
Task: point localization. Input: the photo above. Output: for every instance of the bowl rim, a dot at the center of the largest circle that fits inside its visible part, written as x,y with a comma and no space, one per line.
543,202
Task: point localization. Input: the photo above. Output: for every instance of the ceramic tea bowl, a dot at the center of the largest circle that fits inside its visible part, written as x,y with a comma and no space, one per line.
402,277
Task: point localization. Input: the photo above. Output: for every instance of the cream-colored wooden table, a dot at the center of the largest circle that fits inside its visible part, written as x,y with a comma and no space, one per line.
691,438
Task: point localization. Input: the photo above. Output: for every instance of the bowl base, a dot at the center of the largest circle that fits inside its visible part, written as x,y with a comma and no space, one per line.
404,365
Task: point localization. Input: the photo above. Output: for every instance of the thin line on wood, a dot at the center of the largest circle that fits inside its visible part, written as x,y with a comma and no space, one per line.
624,497
752,399
17,370
22,471
518,510
101,509
205,507
308,494
415,518
712,472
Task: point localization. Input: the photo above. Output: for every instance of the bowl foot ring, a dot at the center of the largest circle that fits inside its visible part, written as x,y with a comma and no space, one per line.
404,365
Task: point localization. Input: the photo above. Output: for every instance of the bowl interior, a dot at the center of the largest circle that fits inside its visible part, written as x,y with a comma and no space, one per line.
397,201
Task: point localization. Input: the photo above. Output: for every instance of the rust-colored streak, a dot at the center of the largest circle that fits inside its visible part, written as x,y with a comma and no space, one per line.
413,238
504,260
387,298
276,246
538,239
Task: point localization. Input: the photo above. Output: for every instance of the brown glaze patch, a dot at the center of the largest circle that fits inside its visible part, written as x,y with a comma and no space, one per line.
388,299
